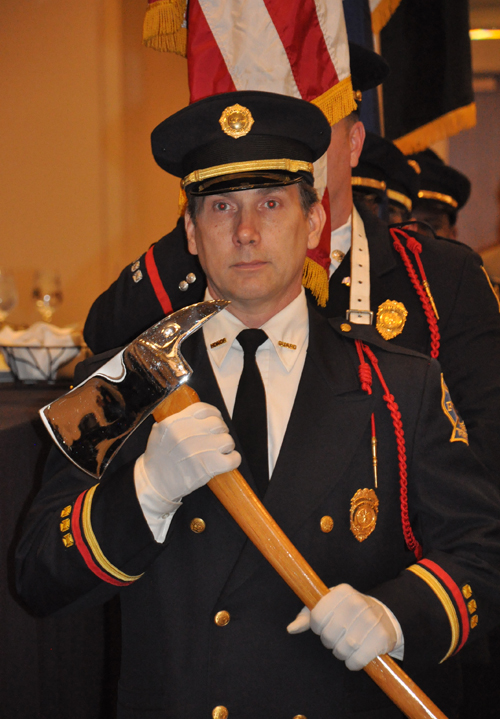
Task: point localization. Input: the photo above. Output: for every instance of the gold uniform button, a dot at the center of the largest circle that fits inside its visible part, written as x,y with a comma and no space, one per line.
68,540
326,524
197,525
345,327
64,525
473,621
220,713
66,511
299,716
472,606
222,618
467,591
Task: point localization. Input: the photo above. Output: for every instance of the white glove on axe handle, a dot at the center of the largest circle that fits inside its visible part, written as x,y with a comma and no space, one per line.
184,452
356,627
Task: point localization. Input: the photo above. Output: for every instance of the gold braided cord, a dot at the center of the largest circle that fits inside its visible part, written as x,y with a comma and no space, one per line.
315,278
164,26
383,13
399,197
429,195
337,102
463,118
247,166
445,600
368,182
94,544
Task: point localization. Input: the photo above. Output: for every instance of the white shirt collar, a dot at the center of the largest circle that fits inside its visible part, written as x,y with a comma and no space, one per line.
290,327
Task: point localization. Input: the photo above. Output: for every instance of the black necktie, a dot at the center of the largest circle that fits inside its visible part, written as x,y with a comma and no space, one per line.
249,414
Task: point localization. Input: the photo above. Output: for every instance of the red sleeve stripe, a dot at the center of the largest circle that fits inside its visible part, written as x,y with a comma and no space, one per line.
456,594
82,547
154,276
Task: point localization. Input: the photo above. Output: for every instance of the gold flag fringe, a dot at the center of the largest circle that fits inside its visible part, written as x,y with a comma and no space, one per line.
183,200
463,118
315,278
165,27
337,102
383,13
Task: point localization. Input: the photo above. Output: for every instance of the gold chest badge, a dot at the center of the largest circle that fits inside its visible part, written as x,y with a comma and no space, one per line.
391,318
236,121
364,511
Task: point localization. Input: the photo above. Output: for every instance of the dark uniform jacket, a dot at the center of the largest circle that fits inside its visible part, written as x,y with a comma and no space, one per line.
177,662
469,319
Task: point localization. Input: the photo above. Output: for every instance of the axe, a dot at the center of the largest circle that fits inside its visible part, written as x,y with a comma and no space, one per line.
93,420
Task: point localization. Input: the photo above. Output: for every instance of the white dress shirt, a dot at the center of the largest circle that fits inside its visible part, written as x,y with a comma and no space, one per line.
280,360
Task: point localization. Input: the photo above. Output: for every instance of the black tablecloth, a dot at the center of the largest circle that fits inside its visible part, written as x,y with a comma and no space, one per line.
57,667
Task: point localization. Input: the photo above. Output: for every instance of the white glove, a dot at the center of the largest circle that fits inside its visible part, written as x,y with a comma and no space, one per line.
184,452
356,627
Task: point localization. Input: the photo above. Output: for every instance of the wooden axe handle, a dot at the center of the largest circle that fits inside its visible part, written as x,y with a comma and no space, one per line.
254,519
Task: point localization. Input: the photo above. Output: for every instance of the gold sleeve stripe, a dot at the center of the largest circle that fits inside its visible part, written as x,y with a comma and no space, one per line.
94,544
445,600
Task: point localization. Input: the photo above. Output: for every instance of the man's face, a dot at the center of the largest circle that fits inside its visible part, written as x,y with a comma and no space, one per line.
252,245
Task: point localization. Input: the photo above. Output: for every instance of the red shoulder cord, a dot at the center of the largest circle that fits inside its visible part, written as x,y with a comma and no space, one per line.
365,377
424,292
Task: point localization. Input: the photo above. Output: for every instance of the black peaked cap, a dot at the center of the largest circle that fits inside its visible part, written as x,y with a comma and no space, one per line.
368,69
436,176
381,160
283,127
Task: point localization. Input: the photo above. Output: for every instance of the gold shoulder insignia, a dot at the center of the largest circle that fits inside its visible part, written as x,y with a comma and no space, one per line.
459,433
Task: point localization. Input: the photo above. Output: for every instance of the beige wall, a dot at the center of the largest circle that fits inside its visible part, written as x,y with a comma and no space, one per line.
80,191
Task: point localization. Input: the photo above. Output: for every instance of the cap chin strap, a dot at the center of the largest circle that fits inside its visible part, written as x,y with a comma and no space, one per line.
359,302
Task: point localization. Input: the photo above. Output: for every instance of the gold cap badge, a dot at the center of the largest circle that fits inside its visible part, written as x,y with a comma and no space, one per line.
364,511
391,318
236,121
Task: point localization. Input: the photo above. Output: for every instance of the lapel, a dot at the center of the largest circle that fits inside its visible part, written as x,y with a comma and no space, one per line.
328,419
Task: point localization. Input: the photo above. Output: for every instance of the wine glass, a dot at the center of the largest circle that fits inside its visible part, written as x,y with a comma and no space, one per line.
47,293
8,295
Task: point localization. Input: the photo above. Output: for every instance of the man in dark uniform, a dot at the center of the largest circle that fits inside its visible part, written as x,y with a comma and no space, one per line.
466,310
442,194
384,181
413,558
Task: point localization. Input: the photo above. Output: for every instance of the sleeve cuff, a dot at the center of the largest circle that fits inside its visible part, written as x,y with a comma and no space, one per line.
158,510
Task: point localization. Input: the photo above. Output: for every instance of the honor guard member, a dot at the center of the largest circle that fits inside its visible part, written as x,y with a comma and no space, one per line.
411,551
384,181
431,297
442,194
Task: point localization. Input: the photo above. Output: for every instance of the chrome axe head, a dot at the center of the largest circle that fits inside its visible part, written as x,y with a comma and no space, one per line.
90,423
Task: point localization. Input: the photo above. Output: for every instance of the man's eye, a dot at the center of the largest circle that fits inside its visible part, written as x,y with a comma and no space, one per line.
221,206
271,204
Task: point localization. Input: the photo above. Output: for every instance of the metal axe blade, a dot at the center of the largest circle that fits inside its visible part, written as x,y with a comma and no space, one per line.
92,421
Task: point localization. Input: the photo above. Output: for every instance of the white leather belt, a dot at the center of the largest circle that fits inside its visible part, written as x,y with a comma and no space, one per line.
359,302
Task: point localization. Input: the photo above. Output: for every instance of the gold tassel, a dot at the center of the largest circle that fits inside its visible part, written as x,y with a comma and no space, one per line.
163,26
337,102
463,118
383,13
183,200
315,278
